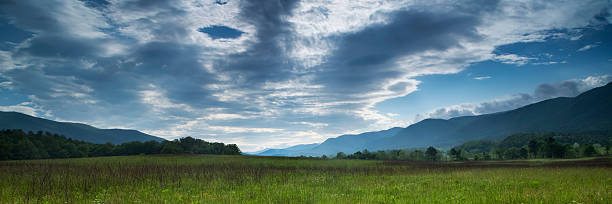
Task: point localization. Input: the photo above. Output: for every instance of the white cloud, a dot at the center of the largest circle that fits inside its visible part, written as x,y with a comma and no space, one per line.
233,129
159,102
311,124
574,38
587,47
549,63
513,59
6,84
392,114
482,77
225,116
24,107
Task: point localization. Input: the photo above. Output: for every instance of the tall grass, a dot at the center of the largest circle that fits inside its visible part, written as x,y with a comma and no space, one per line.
242,179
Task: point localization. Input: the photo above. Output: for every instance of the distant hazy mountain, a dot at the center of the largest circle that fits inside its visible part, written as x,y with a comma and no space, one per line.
287,151
589,111
14,120
344,143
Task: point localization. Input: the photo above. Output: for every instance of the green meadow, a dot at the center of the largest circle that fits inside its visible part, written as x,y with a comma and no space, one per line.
247,179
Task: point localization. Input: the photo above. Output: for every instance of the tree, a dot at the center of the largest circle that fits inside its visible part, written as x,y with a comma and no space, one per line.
533,148
232,149
455,154
416,155
395,154
340,155
499,152
486,156
431,153
188,144
589,150
524,153
381,155
512,153
169,147
25,150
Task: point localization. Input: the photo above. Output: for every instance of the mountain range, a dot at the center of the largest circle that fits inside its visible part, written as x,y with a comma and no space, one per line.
77,131
589,111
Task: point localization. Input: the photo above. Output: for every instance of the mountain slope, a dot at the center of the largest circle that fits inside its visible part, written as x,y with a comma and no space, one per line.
293,150
14,120
589,111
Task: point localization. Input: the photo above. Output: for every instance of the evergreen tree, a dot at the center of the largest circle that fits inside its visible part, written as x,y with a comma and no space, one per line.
431,153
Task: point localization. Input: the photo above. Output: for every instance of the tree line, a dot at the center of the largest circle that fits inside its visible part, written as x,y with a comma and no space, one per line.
429,154
542,148
18,145
520,146
538,145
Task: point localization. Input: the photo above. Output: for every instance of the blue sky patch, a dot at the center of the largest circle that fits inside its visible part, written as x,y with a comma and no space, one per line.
221,32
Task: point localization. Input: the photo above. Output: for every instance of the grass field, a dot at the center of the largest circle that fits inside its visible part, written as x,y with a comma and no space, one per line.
243,179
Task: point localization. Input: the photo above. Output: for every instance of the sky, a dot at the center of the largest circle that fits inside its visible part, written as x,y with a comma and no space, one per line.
276,73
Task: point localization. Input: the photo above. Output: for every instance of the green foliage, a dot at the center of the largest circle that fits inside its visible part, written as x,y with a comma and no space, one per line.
17,145
539,145
593,137
432,154
589,150
478,146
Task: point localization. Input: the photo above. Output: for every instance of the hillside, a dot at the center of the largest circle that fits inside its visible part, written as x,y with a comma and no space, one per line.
589,111
78,131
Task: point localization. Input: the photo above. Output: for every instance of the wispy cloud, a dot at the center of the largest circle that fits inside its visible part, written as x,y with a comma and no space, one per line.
514,59
325,64
482,77
588,47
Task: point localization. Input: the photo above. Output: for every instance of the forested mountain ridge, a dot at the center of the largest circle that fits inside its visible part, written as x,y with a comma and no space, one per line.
77,131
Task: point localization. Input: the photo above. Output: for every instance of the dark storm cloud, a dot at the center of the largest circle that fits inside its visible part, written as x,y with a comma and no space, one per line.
53,36
147,4
409,32
566,88
35,16
603,16
366,57
69,72
98,4
264,60
177,69
61,46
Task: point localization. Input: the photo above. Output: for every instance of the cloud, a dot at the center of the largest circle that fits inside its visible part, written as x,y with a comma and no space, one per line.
316,125
233,129
513,59
482,77
588,47
392,114
568,88
24,107
145,64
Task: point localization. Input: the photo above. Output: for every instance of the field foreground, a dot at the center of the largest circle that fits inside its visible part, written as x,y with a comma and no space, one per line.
245,179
